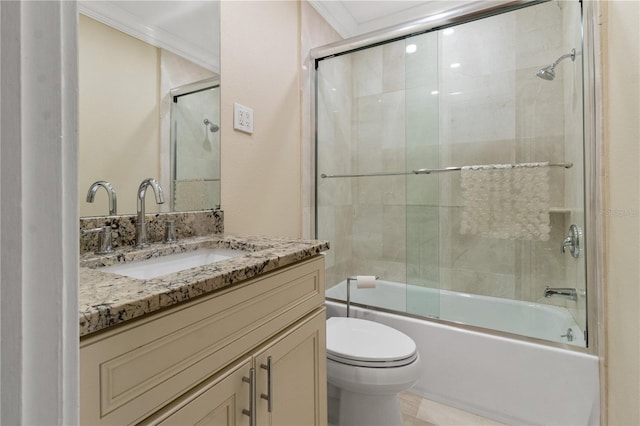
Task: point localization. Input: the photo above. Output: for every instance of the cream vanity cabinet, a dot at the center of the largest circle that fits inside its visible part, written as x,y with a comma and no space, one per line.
251,354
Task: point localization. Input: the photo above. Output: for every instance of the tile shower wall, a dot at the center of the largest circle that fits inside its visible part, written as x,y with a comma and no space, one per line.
471,97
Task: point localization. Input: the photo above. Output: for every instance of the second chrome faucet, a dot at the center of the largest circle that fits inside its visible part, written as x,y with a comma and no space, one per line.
111,193
141,225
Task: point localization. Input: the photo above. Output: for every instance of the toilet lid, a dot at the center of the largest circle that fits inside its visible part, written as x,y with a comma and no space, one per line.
361,342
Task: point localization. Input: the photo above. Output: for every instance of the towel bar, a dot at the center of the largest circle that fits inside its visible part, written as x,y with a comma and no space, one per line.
426,171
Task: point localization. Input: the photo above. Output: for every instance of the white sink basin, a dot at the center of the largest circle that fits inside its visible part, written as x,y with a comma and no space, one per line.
163,265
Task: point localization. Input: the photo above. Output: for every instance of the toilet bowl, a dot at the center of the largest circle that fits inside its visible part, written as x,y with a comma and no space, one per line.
368,363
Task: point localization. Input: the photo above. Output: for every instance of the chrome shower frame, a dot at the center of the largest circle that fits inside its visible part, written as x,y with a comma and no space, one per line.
594,197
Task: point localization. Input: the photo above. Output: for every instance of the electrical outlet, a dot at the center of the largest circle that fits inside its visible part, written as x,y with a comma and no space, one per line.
242,118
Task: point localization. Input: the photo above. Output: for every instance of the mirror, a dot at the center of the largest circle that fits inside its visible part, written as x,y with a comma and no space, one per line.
132,55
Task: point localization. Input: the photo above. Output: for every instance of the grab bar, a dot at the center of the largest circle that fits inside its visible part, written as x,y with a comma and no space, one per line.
424,171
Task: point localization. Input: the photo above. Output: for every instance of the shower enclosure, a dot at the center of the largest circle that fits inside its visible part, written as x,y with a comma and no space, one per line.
399,122
195,146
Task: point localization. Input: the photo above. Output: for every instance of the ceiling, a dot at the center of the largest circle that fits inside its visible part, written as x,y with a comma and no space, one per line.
354,17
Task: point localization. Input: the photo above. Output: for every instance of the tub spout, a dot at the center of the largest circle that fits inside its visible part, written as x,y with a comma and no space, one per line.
567,293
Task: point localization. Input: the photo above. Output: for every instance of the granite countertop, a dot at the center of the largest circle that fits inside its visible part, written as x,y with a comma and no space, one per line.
107,299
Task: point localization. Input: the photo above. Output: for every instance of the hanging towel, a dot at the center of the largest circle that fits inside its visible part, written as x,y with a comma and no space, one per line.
506,201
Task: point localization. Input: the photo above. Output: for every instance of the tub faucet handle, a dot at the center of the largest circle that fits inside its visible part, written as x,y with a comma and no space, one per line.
568,335
572,241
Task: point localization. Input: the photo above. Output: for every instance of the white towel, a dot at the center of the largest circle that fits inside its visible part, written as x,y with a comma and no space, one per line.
506,201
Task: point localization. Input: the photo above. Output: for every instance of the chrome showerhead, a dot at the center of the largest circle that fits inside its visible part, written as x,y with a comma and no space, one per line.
549,72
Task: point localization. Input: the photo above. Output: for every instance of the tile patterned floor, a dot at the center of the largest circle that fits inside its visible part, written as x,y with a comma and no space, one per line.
417,411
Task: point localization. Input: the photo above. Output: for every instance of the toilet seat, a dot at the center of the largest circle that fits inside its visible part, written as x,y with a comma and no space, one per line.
363,343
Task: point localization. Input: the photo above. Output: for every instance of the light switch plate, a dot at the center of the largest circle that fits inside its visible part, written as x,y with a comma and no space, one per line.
242,118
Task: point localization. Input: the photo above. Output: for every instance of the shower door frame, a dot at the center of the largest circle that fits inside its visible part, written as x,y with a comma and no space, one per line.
591,139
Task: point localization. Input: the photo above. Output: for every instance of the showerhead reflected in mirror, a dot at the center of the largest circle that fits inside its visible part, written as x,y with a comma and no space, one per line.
212,127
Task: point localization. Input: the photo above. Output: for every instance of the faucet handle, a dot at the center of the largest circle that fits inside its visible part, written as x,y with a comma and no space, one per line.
104,239
170,232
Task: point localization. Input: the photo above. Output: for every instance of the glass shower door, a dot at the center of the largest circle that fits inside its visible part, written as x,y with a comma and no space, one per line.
490,107
364,183
422,151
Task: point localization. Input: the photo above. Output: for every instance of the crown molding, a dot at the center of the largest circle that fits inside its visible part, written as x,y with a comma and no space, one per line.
337,16
116,17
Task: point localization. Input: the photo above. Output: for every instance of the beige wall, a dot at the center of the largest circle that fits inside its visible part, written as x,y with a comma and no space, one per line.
621,99
261,190
119,116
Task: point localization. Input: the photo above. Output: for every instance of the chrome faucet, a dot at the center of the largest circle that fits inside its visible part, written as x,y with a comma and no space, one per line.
567,293
141,225
111,193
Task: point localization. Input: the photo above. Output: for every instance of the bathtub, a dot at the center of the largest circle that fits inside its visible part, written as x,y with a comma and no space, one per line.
529,319
510,380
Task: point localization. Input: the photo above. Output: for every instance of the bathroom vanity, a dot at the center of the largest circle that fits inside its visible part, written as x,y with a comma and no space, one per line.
236,342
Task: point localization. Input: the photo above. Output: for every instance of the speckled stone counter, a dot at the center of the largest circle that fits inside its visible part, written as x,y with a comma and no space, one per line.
107,299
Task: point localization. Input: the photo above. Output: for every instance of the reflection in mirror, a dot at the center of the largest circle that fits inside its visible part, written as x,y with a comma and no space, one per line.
125,80
195,154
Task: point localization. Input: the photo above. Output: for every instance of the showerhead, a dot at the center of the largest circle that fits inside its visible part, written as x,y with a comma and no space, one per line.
549,72
212,127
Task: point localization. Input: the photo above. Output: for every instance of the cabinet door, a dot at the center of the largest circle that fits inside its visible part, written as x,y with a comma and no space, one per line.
219,402
291,376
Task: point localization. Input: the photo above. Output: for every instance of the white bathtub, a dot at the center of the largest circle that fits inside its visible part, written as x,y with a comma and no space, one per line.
524,318
509,380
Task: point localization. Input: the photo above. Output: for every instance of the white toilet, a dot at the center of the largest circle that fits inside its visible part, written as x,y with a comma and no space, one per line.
368,363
